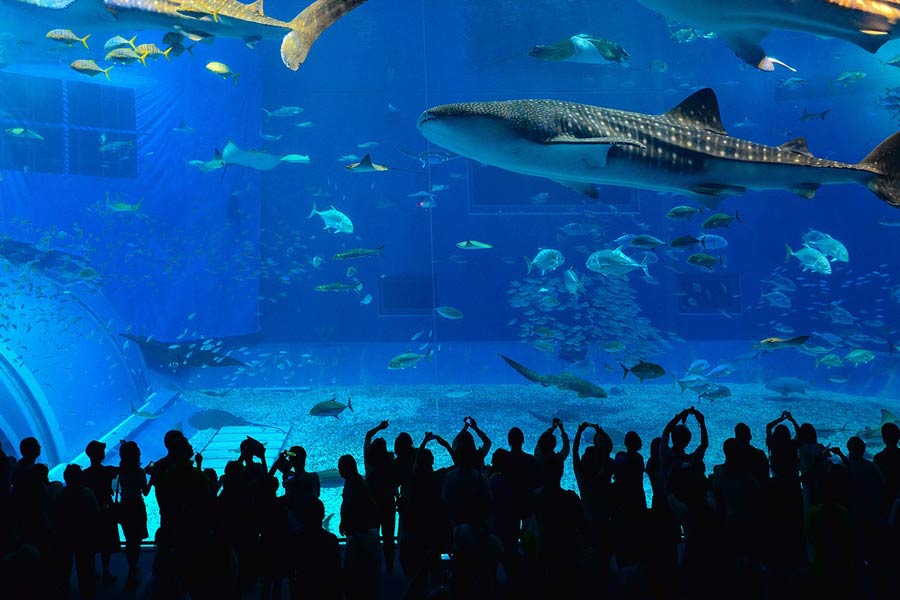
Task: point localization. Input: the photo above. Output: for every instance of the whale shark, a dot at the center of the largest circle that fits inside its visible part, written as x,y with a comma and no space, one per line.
201,18
742,24
685,150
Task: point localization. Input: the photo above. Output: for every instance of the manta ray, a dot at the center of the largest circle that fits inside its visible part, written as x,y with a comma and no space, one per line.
685,150
205,18
742,24
184,354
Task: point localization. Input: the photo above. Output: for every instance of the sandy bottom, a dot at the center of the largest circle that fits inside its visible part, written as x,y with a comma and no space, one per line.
644,408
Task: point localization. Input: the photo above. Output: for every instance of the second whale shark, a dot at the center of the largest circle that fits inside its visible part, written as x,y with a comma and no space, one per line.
685,150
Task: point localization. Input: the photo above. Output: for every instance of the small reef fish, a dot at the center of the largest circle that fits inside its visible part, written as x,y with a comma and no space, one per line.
222,70
118,41
339,287
330,408
643,370
407,359
125,56
283,112
810,259
333,219
775,343
614,262
89,68
358,252
67,37
448,312
473,245
547,259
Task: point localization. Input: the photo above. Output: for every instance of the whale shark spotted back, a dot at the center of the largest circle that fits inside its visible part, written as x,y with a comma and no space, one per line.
685,150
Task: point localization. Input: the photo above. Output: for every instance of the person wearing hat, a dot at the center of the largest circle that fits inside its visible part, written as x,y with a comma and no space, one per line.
99,478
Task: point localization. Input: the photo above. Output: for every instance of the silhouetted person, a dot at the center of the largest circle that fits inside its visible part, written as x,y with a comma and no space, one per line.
187,534
465,490
380,476
7,466
428,533
132,488
159,475
29,499
300,486
404,461
866,503
314,557
593,474
829,528
77,516
559,518
99,478
654,474
481,452
359,523
503,521
888,462
755,460
783,550
545,448
783,459
476,557
737,495
522,472
630,501
813,463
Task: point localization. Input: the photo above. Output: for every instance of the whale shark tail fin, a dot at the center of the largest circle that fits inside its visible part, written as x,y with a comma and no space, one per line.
309,25
884,162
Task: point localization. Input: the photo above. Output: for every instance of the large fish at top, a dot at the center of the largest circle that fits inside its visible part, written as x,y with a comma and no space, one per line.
226,18
742,24
685,150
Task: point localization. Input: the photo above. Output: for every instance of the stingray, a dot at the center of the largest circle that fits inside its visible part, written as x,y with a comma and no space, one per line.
366,166
189,354
216,418
255,159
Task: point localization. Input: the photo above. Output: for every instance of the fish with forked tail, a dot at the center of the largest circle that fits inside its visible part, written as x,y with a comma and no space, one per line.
203,18
685,150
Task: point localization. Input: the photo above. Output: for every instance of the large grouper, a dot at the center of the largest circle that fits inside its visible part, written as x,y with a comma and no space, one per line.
217,18
685,150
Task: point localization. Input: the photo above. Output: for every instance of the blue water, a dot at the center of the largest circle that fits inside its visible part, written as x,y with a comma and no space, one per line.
231,256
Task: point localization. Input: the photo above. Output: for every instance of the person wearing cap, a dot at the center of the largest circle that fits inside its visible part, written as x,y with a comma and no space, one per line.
99,478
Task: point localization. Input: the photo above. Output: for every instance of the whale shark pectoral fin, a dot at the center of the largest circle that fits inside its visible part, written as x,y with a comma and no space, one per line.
806,190
588,189
718,189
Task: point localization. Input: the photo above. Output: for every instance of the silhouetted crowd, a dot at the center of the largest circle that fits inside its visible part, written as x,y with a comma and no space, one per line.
796,520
